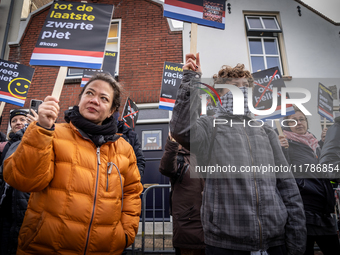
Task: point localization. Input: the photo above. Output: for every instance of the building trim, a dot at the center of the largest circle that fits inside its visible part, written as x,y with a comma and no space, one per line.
317,12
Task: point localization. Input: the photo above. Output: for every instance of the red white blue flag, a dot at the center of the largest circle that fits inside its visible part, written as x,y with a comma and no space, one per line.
63,57
206,13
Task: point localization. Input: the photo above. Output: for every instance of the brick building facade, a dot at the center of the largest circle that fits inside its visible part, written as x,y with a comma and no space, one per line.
146,42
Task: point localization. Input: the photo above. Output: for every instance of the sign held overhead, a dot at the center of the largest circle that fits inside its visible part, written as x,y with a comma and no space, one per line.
203,12
74,35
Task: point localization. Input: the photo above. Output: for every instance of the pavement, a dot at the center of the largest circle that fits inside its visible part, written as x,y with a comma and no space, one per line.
156,240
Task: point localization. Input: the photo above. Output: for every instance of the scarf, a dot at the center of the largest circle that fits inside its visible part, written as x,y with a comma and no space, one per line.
227,103
99,134
307,139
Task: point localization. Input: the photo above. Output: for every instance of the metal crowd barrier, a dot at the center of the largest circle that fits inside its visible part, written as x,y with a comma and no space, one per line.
154,250
132,250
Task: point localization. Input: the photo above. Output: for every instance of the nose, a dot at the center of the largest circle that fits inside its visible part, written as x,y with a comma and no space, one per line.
94,100
21,122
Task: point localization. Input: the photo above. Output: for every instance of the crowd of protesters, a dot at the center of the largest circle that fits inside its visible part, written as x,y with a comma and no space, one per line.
74,187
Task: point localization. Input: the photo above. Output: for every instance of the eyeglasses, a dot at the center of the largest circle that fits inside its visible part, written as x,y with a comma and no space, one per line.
297,120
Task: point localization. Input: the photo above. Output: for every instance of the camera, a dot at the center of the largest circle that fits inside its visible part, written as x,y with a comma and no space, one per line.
35,105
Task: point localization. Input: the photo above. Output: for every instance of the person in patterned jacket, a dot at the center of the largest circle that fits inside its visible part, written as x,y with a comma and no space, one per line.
244,211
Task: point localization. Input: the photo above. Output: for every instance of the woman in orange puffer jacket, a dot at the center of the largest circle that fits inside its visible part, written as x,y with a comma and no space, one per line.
83,177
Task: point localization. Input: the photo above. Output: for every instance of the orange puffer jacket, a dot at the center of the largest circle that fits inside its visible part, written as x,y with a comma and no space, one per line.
76,204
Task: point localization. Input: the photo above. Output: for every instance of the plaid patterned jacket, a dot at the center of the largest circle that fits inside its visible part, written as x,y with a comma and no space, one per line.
240,211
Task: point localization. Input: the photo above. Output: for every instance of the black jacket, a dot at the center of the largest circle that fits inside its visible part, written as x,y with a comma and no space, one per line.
186,196
15,203
330,153
132,138
317,193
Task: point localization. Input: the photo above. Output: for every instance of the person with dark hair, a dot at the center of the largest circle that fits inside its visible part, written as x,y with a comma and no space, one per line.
83,177
186,198
302,150
13,203
243,210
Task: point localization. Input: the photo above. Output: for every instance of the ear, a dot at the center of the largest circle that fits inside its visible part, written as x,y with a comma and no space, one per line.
111,112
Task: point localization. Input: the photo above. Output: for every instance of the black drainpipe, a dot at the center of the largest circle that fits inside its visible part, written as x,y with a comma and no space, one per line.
4,44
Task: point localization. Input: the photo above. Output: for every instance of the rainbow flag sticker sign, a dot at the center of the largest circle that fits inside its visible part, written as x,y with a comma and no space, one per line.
74,35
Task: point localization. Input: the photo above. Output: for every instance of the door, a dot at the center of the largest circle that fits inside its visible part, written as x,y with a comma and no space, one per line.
153,138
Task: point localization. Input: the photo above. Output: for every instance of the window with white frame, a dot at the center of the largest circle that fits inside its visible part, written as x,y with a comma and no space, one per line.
112,44
263,42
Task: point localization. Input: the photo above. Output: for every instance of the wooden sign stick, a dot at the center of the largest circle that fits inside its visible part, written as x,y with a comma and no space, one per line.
278,126
59,83
324,123
193,38
279,129
2,106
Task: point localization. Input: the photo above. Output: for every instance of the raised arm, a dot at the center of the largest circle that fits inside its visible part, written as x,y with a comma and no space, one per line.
31,167
167,166
186,126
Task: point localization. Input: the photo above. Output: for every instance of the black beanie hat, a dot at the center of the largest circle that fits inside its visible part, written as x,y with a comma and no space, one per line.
17,112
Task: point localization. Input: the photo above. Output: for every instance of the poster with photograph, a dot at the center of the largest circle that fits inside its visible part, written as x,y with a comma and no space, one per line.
202,12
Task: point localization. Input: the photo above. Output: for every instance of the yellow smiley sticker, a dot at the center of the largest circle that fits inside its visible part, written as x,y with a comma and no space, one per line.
19,87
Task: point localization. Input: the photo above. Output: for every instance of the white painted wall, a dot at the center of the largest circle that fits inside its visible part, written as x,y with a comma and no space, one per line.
312,46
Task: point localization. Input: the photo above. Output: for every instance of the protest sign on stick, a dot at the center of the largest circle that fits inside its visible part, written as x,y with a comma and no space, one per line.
201,12
2,106
172,77
130,114
74,35
325,103
264,82
109,66
15,80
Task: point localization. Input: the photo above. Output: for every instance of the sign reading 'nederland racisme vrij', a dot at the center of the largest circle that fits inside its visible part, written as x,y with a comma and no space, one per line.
171,80
74,35
325,102
203,12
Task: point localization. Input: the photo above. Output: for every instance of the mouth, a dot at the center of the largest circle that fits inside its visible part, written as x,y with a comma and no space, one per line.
19,91
18,127
91,109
